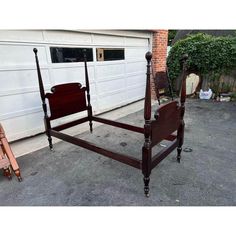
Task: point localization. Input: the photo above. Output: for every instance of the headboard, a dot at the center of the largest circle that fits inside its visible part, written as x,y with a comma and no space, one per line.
66,99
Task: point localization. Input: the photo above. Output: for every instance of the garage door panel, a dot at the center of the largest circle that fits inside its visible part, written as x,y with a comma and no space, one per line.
110,85
142,42
136,80
134,53
21,35
135,93
21,79
108,40
93,91
31,123
75,74
15,55
136,67
111,70
94,103
68,37
19,102
111,101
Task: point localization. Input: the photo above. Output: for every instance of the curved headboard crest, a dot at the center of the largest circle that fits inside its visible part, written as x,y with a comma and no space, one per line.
69,87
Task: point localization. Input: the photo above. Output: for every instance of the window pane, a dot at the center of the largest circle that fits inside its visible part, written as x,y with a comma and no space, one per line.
64,55
110,54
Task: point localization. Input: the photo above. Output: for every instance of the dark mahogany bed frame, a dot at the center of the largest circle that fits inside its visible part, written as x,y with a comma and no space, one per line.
69,98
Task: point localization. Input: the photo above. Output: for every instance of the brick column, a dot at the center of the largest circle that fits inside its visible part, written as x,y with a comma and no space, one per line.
159,54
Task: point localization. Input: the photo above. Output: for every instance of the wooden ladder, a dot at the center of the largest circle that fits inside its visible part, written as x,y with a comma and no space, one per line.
7,158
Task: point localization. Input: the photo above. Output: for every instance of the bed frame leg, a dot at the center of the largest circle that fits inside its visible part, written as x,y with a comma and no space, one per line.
146,180
146,167
18,175
180,137
48,128
179,150
90,115
7,173
50,141
91,126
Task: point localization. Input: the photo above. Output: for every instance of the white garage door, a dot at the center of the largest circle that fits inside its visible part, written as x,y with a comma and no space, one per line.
113,83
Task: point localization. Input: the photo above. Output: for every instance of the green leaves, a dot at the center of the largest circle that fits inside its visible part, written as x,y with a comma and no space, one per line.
208,55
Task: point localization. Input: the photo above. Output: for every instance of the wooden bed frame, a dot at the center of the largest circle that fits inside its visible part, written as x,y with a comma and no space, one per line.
69,98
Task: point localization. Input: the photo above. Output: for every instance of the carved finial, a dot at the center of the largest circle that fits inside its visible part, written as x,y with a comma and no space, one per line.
35,51
148,56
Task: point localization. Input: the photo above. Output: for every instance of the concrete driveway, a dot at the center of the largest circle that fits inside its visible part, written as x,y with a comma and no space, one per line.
73,176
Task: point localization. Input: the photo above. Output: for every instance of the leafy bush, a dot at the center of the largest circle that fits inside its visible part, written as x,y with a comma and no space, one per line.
209,56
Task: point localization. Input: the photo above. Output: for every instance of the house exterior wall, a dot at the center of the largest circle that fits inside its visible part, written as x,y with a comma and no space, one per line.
159,51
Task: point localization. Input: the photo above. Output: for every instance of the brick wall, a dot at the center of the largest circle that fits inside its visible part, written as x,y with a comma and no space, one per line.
159,53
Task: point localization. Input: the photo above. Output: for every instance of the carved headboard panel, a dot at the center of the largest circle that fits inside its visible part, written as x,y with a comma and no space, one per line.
66,99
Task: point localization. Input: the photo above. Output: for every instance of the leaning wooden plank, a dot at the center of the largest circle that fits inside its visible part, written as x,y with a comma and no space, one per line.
1,150
11,158
4,163
6,149
119,125
163,153
92,147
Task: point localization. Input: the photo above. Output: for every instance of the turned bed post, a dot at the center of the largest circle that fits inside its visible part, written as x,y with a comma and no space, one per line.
42,94
90,114
180,132
146,150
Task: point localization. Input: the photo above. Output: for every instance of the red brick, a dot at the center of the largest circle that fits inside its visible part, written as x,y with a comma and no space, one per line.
159,53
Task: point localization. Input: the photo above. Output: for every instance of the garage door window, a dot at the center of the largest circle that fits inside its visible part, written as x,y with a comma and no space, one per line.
65,55
110,54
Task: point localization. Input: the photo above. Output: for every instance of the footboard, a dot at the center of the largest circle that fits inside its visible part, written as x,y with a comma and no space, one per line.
168,120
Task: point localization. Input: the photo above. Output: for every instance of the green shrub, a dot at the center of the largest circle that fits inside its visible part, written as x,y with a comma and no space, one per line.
171,36
209,56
